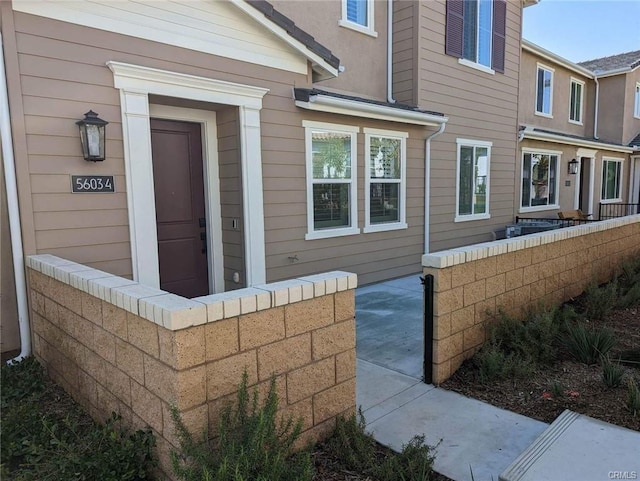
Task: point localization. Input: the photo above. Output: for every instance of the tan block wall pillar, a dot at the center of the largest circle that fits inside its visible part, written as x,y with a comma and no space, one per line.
514,275
117,346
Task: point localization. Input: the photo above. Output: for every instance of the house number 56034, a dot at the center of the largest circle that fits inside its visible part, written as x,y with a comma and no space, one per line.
92,183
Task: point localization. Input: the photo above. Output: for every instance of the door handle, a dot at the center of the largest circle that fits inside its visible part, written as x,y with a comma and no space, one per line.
203,238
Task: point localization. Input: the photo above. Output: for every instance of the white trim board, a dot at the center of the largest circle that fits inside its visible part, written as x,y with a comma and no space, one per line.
135,84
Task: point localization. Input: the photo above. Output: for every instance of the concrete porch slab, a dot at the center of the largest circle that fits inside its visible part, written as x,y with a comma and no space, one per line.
576,447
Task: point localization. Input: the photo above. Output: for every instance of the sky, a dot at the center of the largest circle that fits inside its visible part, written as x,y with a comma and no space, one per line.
581,30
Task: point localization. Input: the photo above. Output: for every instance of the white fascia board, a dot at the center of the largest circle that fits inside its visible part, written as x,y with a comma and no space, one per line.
559,139
617,71
557,59
323,103
326,70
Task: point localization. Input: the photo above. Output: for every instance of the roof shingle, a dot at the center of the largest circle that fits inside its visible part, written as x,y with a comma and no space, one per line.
613,62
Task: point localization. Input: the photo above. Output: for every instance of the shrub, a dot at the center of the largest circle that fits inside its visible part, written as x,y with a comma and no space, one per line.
588,344
533,339
46,436
251,444
494,365
612,373
599,300
633,397
357,451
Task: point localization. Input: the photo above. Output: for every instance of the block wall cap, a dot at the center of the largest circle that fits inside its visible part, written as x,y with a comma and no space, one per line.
461,255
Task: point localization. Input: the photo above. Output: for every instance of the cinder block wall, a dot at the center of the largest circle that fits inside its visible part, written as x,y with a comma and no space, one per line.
116,345
471,283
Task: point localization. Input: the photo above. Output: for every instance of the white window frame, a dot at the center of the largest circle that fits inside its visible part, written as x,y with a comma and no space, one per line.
582,84
472,143
309,127
538,208
636,102
369,29
402,192
552,72
619,160
474,63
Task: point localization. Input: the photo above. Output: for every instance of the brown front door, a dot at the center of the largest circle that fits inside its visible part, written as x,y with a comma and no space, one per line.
180,212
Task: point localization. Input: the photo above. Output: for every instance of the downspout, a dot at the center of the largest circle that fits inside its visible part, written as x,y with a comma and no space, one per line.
427,183
595,113
14,214
390,98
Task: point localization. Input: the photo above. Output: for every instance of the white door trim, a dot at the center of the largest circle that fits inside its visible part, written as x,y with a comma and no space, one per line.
207,119
136,83
634,180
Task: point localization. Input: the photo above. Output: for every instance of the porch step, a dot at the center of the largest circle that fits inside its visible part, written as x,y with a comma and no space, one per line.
577,447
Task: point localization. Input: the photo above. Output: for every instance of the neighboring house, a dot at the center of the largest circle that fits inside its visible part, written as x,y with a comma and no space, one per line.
577,113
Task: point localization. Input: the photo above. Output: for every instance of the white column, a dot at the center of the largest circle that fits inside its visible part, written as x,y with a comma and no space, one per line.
253,201
136,133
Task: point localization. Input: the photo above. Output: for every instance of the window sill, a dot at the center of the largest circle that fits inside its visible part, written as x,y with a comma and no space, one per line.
575,122
325,234
477,66
542,114
539,208
610,201
358,28
385,227
467,218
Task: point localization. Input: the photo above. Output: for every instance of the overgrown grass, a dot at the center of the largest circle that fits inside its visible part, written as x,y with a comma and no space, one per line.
252,444
357,451
600,300
47,436
633,397
612,373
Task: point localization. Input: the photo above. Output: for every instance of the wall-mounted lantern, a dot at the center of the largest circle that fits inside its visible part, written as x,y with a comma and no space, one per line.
573,167
92,136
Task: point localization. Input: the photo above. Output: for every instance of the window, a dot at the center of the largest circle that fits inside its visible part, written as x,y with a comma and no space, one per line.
575,101
472,183
385,172
636,105
611,180
544,90
475,33
358,15
331,180
539,180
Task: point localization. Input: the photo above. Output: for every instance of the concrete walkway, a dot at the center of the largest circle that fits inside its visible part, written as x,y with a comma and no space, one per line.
469,434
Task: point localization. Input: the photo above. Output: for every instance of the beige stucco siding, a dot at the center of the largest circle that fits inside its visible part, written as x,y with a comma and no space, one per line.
631,125
480,106
611,108
364,57
561,97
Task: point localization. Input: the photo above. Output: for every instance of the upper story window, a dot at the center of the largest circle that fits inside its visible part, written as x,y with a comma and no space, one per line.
358,15
575,101
385,185
611,180
472,186
636,105
475,33
331,180
544,90
539,180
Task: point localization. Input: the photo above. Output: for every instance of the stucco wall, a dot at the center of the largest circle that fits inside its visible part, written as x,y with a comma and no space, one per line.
514,274
115,345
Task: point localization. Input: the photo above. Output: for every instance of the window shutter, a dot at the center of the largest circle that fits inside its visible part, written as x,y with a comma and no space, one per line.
498,35
455,24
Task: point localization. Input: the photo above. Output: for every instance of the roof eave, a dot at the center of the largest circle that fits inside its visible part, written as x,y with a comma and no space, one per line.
552,57
529,3
533,135
320,66
616,71
323,103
